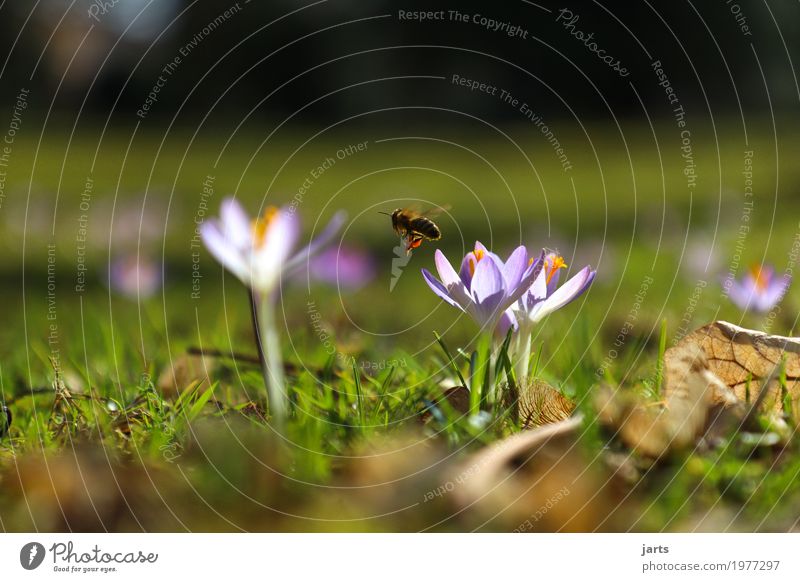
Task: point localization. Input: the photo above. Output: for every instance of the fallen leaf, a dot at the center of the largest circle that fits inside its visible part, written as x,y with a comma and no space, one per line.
540,404
741,358
184,370
457,397
537,480
655,428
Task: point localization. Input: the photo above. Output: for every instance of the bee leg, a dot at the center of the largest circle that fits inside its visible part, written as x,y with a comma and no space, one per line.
414,242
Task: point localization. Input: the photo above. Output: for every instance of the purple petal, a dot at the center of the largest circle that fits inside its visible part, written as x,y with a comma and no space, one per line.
768,298
488,290
344,266
135,277
316,245
568,292
281,236
742,293
235,223
549,260
224,250
465,273
446,272
487,253
533,270
553,283
437,287
538,291
452,282
515,268
507,321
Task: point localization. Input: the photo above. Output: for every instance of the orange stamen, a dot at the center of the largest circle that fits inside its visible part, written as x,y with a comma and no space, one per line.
761,277
261,225
558,263
479,254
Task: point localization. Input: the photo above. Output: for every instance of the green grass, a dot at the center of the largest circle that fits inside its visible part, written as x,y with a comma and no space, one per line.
110,448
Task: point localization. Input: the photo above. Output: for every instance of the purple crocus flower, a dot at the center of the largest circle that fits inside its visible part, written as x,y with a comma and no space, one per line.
485,286
260,252
759,290
545,296
540,300
135,277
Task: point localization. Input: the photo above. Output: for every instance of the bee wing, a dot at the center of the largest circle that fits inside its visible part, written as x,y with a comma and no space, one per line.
436,210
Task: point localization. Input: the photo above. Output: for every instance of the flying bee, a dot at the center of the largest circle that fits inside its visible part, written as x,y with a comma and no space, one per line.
414,227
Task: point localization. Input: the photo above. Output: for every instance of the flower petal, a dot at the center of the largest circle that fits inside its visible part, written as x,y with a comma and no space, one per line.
741,293
553,283
268,262
488,291
538,291
771,296
235,223
300,260
446,272
452,282
515,268
345,267
437,287
507,321
487,253
224,250
465,272
533,270
564,294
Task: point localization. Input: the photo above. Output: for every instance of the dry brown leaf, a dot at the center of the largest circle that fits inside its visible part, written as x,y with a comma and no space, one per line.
184,370
737,355
82,491
540,404
653,429
537,480
385,482
458,398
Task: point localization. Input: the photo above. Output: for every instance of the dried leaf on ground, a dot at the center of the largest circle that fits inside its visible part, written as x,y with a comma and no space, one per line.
741,358
184,370
540,404
653,428
537,480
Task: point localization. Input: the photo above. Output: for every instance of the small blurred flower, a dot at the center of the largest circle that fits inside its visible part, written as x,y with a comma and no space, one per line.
345,267
758,290
701,258
261,253
135,277
485,286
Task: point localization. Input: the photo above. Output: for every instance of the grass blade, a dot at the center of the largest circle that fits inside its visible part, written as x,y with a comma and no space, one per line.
450,359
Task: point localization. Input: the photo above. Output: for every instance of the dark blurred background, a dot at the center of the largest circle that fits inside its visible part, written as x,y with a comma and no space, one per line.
107,61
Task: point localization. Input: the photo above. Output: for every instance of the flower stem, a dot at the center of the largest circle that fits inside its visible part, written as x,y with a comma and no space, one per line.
522,354
272,363
480,388
256,330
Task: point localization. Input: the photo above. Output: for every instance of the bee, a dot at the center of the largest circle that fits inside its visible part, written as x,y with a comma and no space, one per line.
414,227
